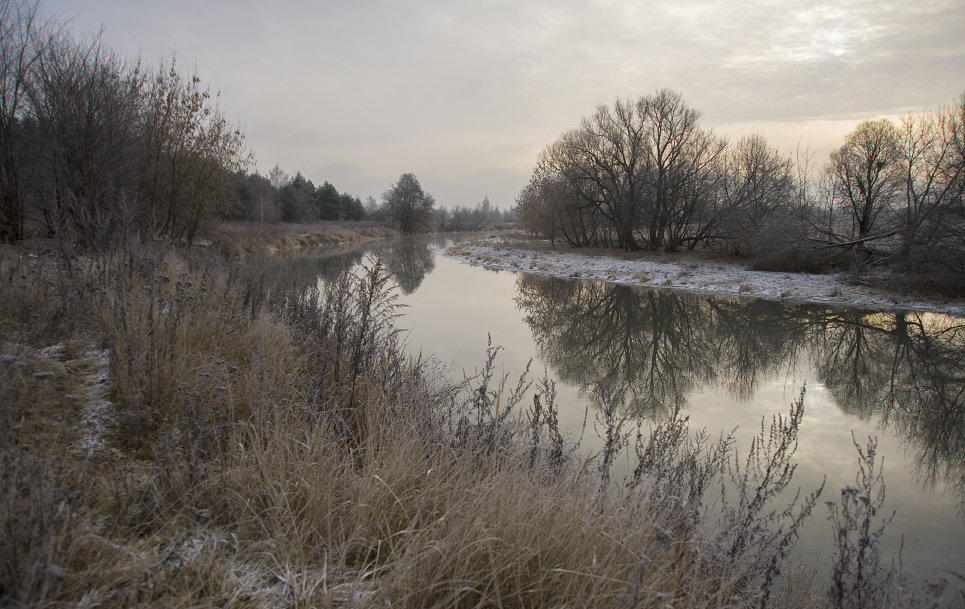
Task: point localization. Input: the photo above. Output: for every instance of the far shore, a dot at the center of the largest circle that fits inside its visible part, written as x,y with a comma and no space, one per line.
244,238
698,273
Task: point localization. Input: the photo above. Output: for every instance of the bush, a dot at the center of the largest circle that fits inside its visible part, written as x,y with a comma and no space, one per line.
782,244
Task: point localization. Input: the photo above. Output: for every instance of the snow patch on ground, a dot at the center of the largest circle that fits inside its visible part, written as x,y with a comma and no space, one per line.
699,276
95,407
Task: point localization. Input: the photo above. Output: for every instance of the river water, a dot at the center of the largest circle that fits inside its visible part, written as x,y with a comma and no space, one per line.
727,363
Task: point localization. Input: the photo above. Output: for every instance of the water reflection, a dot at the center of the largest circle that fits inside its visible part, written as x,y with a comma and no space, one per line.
651,348
410,261
656,346
906,370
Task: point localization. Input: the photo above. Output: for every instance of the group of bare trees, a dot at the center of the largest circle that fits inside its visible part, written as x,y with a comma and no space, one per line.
639,173
92,145
897,191
645,173
464,218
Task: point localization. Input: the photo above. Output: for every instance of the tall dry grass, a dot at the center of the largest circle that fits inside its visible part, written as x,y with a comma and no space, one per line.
244,238
178,430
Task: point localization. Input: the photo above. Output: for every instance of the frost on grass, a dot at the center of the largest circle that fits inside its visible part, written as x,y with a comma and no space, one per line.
95,407
707,277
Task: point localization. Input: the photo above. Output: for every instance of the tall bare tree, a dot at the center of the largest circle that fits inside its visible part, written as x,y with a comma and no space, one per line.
867,177
408,204
680,157
22,40
85,104
931,172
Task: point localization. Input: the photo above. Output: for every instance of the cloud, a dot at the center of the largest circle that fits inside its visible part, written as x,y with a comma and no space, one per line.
465,92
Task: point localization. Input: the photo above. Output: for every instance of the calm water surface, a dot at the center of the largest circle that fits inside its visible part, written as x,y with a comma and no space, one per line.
727,363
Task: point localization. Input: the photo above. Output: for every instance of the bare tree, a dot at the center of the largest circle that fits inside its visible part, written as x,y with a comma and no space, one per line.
550,207
371,205
22,40
866,177
602,166
932,172
193,151
278,178
408,204
695,215
678,152
534,214
757,184
85,105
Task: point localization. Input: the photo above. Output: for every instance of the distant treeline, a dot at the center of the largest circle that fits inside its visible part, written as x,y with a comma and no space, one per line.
646,174
465,218
281,198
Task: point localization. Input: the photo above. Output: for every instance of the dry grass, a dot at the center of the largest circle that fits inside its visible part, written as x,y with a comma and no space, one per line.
243,238
182,431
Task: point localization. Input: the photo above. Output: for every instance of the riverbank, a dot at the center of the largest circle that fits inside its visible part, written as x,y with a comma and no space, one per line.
698,273
179,429
243,238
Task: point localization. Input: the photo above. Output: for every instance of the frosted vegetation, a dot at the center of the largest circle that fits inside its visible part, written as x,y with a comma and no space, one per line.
261,440
645,174
705,274
181,428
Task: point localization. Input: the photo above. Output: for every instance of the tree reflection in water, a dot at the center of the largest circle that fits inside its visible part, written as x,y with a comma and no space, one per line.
409,261
905,369
654,345
643,351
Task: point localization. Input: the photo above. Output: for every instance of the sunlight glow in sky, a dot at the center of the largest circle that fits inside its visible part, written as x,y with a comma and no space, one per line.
465,94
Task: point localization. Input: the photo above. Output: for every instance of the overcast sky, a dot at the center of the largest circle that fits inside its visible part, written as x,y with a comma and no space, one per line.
466,93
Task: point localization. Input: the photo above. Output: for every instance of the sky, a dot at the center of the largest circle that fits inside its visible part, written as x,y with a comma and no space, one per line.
465,94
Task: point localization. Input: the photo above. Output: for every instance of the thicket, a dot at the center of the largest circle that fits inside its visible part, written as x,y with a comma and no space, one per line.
95,147
181,430
646,174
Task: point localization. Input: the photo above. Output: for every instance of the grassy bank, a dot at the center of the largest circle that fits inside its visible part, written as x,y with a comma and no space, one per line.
705,271
183,431
244,238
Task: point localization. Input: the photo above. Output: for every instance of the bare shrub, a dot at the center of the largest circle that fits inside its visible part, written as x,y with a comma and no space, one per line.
860,579
781,244
677,467
484,421
753,536
755,533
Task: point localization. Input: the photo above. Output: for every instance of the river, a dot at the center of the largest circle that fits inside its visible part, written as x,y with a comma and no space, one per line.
727,363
